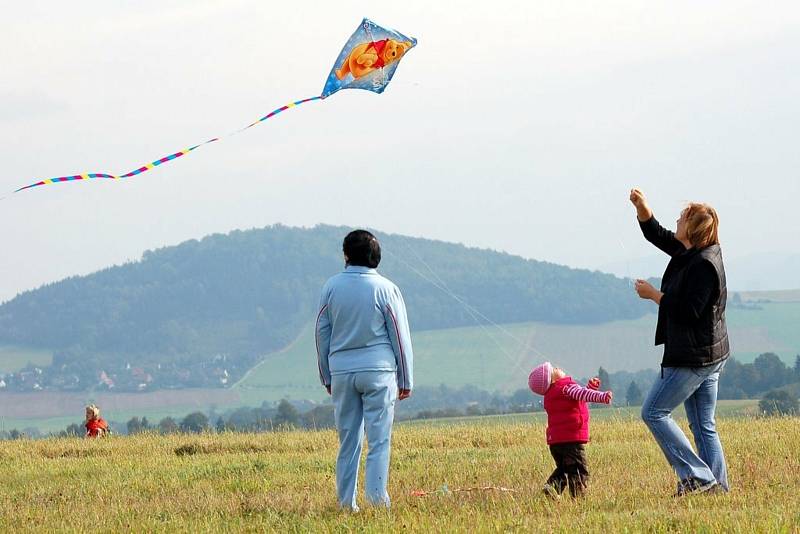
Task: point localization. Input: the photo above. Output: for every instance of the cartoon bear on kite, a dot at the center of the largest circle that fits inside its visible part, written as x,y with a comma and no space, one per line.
367,61
368,57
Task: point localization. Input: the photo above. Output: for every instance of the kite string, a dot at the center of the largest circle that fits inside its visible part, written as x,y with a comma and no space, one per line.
516,362
463,302
473,312
483,327
470,308
628,273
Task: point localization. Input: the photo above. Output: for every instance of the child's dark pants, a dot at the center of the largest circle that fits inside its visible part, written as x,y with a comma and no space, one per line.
571,468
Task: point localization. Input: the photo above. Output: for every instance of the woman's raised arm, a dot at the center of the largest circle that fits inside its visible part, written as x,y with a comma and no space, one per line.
659,236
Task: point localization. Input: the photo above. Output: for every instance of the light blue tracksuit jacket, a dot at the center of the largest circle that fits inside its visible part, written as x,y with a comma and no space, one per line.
364,353
362,326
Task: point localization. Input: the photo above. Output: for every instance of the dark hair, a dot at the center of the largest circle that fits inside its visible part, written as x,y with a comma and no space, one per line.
362,248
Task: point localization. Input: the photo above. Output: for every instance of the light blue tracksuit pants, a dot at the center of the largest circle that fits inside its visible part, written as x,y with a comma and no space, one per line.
363,399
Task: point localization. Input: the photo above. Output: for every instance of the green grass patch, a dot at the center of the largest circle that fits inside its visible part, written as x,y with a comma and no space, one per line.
725,409
773,328
784,295
13,359
117,419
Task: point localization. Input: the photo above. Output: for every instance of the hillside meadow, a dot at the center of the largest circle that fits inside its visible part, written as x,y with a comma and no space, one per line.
13,358
500,357
283,482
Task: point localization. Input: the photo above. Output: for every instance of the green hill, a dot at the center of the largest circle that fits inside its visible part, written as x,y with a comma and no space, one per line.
200,314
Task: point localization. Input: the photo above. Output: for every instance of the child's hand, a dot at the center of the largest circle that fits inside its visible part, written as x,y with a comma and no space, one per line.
594,384
609,396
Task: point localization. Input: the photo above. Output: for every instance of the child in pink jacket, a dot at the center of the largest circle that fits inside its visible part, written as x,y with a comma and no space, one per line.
567,425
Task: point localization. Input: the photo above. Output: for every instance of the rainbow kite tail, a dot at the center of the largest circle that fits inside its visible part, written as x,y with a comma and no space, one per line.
146,167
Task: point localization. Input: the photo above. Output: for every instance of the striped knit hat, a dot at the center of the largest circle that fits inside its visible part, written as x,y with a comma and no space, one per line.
539,379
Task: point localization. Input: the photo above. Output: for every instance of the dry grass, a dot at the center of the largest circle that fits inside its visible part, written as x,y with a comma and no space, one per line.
284,482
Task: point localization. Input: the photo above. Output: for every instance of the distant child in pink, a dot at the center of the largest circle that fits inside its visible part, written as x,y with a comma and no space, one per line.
567,425
96,426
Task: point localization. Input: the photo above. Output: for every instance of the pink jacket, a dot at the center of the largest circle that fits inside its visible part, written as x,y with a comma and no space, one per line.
567,411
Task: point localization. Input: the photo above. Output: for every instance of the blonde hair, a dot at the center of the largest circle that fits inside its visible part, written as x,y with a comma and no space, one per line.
702,225
95,411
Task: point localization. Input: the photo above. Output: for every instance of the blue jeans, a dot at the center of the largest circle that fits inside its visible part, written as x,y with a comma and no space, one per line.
696,388
359,398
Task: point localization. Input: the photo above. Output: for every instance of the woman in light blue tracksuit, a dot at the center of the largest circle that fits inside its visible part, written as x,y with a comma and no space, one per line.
365,362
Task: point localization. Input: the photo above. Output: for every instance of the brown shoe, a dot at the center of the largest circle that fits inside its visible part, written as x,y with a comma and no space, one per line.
551,492
692,486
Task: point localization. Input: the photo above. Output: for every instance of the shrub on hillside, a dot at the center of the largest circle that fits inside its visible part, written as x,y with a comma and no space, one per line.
749,380
779,402
319,417
168,426
634,396
195,422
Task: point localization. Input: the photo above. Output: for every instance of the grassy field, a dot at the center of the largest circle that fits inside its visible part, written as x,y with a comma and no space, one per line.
499,358
15,358
283,482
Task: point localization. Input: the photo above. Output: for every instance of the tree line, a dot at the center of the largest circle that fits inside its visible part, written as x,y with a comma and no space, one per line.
762,379
759,379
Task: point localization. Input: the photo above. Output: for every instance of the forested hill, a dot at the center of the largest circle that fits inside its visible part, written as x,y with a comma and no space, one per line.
202,312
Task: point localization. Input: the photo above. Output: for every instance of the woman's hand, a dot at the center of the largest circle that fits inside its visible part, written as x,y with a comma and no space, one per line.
643,211
403,394
646,290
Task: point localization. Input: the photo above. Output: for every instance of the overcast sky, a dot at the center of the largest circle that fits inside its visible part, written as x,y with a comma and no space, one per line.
518,126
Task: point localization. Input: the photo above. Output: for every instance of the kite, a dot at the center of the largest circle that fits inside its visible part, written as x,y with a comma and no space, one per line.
367,61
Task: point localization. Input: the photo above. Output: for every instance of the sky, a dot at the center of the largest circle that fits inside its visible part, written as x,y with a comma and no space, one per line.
517,126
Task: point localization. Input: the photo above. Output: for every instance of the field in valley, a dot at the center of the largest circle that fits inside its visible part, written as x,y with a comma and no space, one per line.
489,357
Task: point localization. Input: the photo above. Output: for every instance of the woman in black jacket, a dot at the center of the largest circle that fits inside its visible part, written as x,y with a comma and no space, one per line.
691,326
